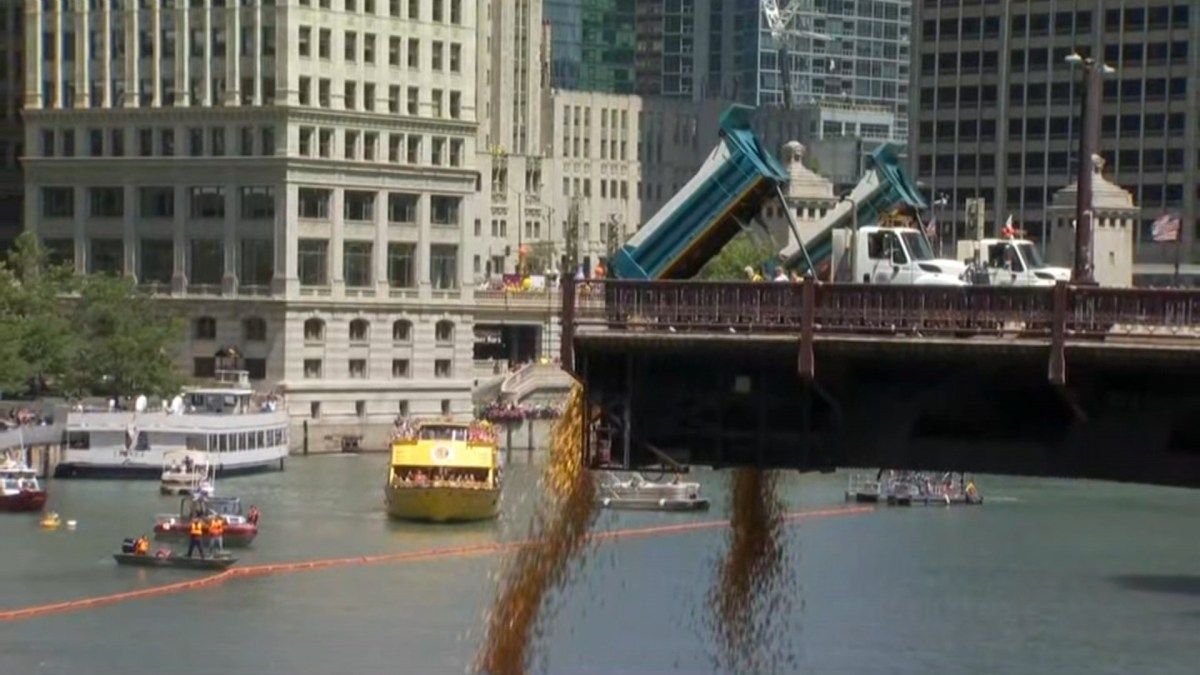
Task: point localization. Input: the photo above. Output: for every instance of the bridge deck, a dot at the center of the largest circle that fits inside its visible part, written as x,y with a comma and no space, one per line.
1094,383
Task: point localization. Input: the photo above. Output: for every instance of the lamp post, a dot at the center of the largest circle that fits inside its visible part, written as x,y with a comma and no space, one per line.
853,209
1089,146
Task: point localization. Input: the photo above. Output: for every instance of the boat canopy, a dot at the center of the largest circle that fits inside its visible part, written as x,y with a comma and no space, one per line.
448,454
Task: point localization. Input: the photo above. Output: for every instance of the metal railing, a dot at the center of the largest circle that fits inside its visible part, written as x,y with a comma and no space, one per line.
850,309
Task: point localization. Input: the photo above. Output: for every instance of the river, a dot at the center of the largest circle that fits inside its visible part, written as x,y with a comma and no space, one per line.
1046,577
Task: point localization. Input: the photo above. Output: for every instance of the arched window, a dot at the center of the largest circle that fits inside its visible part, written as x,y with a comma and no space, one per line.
204,328
314,330
254,329
402,331
360,330
444,332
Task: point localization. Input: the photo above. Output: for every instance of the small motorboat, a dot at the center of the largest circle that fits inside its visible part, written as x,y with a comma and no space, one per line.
240,528
638,493
185,472
221,561
19,487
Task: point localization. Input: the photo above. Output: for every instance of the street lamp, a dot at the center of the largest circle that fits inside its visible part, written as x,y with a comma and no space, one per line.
1089,146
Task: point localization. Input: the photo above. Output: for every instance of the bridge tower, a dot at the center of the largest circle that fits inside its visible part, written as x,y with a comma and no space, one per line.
1112,242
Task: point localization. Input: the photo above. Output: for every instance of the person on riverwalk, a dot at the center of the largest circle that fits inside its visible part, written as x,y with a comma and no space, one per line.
216,532
196,537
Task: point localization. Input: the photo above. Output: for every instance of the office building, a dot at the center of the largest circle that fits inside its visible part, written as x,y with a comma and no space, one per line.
297,178
996,108
851,56
12,190
594,43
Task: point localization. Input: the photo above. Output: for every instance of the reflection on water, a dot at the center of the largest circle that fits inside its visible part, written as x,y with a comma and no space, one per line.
1066,579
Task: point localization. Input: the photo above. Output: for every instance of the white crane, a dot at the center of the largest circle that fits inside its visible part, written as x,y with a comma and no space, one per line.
779,23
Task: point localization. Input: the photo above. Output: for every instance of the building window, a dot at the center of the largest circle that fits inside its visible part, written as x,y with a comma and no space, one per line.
314,408
204,366
305,42
360,330
207,202
401,265
441,368
156,261
445,406
400,369
359,206
443,266
254,329
455,57
360,407
257,263
402,408
107,256
204,328
258,203
106,202
401,330
314,330
313,262
444,332
156,202
206,262
312,371
58,202
314,203
358,369
357,264
402,207
444,210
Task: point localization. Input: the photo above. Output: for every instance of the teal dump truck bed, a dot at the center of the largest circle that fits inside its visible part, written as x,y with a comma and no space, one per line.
730,189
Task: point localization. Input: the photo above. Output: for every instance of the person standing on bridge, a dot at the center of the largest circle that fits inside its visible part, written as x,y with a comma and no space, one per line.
752,275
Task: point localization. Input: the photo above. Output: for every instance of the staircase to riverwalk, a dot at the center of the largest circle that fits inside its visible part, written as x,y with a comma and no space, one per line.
535,380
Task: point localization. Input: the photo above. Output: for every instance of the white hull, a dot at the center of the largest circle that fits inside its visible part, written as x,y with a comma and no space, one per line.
233,443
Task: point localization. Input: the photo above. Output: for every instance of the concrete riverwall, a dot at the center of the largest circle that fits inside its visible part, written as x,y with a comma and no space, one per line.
324,438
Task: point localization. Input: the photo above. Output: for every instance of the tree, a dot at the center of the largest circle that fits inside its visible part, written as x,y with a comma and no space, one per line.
744,250
126,341
80,334
31,306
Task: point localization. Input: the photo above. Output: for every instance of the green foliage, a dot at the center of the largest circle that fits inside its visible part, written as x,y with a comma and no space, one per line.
82,335
741,252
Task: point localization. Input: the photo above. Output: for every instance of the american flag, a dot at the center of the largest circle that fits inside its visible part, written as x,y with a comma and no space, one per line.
1166,228
931,229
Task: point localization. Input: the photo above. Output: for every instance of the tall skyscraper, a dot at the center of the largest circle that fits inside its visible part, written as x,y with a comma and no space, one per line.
830,53
593,44
996,107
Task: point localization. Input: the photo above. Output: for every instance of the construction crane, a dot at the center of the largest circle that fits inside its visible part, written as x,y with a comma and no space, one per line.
779,23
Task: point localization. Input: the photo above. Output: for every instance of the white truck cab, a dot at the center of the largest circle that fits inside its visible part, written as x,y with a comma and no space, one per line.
1013,262
891,255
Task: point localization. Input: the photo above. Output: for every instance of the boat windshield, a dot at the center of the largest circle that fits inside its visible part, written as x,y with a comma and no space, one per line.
443,432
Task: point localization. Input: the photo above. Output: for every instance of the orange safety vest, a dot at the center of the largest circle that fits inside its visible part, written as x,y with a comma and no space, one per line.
217,528
197,529
142,546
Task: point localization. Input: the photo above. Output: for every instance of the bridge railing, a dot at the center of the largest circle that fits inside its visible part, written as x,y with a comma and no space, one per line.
777,307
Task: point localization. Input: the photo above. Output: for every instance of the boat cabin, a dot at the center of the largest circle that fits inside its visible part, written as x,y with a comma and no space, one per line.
227,507
15,478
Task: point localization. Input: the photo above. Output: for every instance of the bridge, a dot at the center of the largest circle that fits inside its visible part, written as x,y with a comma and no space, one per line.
1064,381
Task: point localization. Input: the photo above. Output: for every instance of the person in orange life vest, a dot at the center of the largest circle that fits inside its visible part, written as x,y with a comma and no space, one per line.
216,530
196,537
142,547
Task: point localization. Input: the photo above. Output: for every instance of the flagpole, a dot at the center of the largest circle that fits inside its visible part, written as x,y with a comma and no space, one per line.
1178,245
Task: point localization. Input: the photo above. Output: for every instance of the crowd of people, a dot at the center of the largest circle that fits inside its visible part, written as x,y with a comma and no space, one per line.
441,477
514,412
23,417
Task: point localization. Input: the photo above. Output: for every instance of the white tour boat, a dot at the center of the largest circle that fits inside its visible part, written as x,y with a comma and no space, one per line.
227,423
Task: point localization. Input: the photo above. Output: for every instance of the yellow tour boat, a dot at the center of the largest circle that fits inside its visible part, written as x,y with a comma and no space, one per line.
444,471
